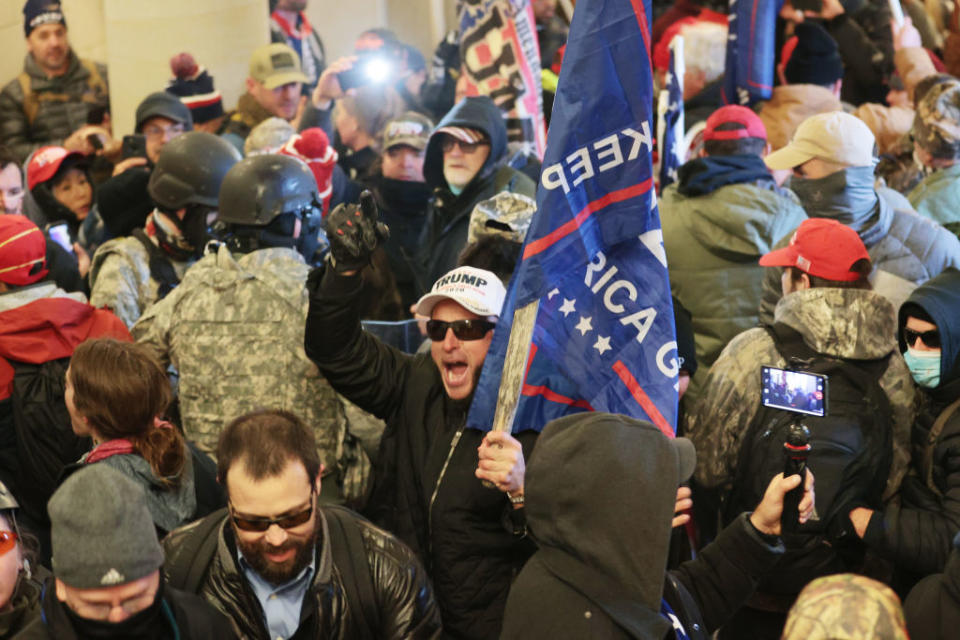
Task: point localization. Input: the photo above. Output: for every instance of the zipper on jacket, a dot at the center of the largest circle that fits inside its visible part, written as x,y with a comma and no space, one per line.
436,490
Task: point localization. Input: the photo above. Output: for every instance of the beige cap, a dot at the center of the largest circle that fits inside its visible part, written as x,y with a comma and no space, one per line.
274,65
835,137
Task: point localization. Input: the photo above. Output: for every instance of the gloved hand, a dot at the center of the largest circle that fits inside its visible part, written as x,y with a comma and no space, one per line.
354,233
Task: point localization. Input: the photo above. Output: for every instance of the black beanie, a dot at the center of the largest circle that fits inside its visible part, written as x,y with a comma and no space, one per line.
164,105
815,59
40,12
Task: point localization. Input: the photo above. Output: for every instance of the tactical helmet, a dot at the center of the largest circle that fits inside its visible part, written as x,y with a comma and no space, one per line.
260,188
190,169
7,501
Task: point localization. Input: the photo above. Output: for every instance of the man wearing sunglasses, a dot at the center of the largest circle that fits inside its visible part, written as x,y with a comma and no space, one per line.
283,567
464,164
916,531
427,487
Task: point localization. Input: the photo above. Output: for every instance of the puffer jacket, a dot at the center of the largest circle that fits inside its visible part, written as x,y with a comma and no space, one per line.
916,529
845,323
932,609
64,103
714,232
425,491
448,217
900,242
791,104
402,590
937,195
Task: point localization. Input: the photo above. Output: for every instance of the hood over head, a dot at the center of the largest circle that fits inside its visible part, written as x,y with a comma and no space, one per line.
473,112
940,298
597,484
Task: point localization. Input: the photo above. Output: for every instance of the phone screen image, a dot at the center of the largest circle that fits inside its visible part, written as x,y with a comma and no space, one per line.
61,235
795,391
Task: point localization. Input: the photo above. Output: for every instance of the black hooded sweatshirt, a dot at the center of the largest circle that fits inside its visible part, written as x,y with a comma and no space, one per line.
916,530
448,217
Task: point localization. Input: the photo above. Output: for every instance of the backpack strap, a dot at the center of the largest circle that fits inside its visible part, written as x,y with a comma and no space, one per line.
31,104
95,81
185,570
926,461
350,557
160,268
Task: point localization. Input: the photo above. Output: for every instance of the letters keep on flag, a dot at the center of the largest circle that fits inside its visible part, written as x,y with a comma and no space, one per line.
750,51
501,59
670,125
593,259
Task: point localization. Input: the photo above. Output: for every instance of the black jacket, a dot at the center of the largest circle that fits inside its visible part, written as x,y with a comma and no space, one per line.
24,608
407,608
932,609
425,490
600,493
917,529
193,619
445,232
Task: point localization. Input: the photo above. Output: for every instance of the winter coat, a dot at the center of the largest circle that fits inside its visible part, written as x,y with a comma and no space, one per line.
938,196
846,323
402,591
187,616
62,104
866,63
714,232
425,490
900,242
602,546
791,104
932,608
448,218
916,529
888,124
24,608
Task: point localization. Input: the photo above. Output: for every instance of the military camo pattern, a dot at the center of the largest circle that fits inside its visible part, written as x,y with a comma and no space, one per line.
120,278
936,127
233,329
510,214
846,607
848,323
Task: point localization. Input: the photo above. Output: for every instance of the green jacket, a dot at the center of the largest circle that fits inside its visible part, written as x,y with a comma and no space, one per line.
937,196
713,243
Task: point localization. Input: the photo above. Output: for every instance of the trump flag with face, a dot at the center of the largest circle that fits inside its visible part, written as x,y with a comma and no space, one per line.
593,261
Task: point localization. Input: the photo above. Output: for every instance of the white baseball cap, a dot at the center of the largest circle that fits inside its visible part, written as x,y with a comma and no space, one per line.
834,136
476,290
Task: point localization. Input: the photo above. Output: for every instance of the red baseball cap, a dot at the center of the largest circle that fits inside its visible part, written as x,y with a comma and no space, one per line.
23,251
823,248
752,124
45,162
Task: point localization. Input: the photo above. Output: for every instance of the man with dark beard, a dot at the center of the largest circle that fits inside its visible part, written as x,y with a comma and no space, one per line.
281,566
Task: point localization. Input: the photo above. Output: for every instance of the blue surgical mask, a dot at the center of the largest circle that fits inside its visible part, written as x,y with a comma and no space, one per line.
924,367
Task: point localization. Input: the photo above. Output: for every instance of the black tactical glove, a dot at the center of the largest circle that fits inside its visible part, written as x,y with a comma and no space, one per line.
354,233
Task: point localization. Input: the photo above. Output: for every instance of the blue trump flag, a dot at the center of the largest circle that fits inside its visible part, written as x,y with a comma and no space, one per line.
751,43
593,258
672,117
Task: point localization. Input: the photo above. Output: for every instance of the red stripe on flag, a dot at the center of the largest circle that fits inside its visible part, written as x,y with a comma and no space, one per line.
643,399
753,27
640,12
541,390
544,243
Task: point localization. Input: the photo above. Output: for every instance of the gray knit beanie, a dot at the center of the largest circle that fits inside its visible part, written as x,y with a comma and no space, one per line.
102,533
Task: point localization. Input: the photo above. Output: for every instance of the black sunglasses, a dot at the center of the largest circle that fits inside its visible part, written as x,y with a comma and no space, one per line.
449,142
930,338
262,524
462,329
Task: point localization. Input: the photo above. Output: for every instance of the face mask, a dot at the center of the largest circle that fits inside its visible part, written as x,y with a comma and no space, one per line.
846,196
924,367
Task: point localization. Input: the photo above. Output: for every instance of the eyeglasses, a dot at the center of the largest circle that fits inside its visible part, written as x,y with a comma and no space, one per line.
262,524
462,329
449,142
8,540
930,338
156,131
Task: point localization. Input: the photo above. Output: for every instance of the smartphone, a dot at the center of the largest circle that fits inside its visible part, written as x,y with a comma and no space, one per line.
371,67
60,234
796,391
134,146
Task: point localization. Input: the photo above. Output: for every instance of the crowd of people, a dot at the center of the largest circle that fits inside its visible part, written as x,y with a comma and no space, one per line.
238,348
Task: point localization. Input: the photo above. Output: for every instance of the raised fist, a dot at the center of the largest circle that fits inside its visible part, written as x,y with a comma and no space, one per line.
354,233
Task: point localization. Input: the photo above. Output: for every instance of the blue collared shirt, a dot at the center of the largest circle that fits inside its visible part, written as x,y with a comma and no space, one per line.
281,604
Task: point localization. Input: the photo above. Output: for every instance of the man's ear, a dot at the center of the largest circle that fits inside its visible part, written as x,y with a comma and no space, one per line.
804,282
837,86
61,590
251,84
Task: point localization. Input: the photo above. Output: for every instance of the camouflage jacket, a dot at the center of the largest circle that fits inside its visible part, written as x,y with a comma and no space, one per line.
848,323
120,278
233,329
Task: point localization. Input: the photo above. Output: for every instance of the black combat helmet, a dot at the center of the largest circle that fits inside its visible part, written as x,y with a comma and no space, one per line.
190,170
260,188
